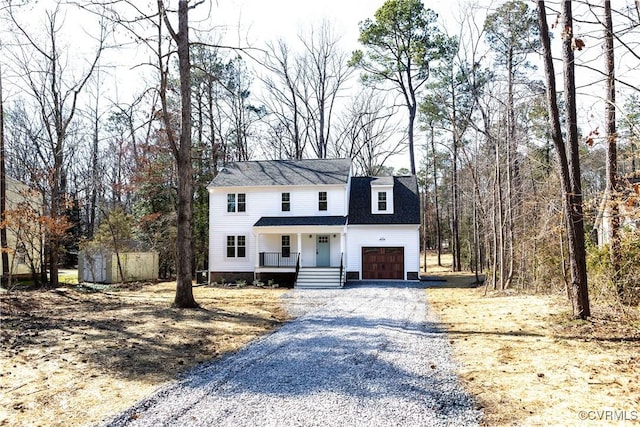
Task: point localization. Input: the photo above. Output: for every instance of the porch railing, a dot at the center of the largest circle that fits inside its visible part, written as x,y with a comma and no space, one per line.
278,260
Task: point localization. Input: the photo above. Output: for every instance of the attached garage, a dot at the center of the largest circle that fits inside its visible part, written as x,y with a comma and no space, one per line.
383,263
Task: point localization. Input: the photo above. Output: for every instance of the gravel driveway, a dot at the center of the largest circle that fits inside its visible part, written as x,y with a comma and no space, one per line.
366,355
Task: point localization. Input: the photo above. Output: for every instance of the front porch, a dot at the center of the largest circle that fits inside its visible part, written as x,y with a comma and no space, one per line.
292,243
311,249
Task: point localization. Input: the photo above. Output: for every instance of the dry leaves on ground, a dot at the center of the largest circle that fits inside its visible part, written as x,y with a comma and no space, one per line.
74,357
528,363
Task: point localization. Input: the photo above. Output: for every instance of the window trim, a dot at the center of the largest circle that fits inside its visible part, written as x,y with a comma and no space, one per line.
285,246
375,200
231,202
323,205
382,201
236,246
231,246
236,202
241,200
285,205
241,249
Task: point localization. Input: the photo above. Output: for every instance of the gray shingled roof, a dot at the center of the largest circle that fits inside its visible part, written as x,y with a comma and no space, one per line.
283,172
406,202
271,221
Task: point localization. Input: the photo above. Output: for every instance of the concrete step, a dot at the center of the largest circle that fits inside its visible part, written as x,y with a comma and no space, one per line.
318,278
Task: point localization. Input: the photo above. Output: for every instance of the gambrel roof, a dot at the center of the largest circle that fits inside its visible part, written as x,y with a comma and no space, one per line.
283,172
406,202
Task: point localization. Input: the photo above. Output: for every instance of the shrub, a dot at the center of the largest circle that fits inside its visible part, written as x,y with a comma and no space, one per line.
622,285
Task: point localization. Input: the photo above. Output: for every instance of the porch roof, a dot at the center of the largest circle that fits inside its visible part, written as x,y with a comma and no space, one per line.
289,221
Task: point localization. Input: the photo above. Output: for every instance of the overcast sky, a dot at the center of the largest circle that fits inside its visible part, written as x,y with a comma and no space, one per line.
256,21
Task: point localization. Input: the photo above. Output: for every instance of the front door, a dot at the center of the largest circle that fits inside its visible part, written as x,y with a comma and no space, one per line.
322,251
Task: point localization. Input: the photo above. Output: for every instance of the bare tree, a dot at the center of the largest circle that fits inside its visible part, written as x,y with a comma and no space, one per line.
368,133
55,89
180,144
324,72
284,106
4,244
612,145
568,156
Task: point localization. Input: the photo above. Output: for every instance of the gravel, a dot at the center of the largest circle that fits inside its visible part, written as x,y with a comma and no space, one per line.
367,355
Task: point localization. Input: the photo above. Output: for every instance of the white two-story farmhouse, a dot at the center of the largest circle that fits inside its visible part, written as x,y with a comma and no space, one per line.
312,224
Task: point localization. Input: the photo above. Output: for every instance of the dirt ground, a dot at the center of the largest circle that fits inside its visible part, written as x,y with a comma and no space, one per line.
529,364
72,357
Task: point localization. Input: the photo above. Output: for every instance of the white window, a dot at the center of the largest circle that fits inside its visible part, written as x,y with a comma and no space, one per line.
236,202
382,201
236,247
286,246
322,201
286,202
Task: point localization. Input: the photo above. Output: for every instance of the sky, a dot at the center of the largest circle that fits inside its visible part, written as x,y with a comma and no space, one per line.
252,23
262,20
257,21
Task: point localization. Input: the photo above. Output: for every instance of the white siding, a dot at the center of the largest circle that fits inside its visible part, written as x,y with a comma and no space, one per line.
406,236
265,201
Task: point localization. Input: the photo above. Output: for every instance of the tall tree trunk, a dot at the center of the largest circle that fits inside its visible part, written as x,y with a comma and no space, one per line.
612,151
494,227
93,198
54,239
568,160
182,152
436,202
412,119
579,260
457,143
184,291
500,220
511,131
455,228
4,244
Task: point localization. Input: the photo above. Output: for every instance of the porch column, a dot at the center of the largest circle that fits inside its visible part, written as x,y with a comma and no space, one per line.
343,247
300,246
257,260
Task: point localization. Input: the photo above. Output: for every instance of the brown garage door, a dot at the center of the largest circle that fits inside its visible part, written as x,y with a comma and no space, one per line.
383,263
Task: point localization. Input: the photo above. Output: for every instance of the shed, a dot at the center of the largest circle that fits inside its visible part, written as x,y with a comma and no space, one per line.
102,267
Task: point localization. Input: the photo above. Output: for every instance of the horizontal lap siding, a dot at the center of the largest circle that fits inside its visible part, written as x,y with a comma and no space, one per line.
404,236
261,201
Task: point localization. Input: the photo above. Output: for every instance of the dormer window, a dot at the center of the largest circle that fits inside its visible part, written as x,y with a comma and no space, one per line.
382,201
382,195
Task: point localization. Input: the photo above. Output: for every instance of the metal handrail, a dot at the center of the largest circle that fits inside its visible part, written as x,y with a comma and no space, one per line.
341,267
278,260
297,268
